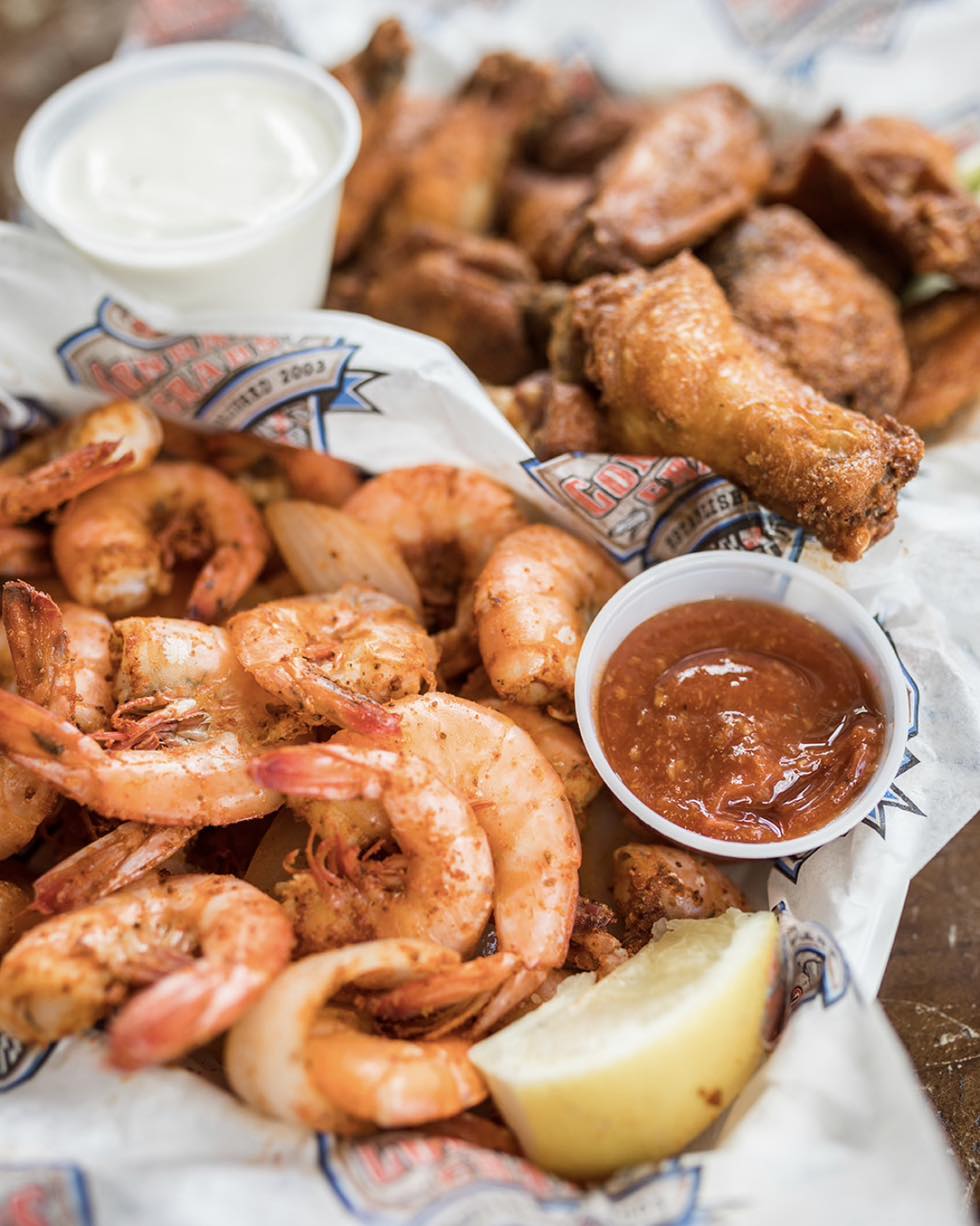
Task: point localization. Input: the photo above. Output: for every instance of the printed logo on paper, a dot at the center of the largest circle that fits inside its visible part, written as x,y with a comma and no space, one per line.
650,510
278,386
814,964
44,1196
402,1178
19,1062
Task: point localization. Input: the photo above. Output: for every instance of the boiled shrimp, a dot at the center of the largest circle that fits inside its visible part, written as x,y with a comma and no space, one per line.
189,720
208,945
533,602
118,859
64,673
24,553
297,1057
652,882
439,888
519,801
337,657
270,471
117,545
561,745
445,521
76,456
15,915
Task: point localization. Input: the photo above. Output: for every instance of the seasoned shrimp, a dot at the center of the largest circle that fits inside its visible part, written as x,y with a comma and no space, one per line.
24,553
519,801
653,882
441,886
337,657
189,721
445,521
116,546
76,456
533,603
65,673
208,945
561,745
298,1057
269,471
118,859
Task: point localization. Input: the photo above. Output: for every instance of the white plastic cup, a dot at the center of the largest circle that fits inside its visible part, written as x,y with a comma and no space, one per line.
281,263
745,576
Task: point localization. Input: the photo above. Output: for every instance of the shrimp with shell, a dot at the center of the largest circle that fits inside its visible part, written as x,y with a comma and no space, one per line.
445,521
533,603
201,947
519,801
76,456
177,750
337,658
440,885
269,471
300,1056
60,659
116,546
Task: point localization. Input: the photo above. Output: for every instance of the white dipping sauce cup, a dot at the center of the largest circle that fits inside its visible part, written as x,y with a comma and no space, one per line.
746,576
279,263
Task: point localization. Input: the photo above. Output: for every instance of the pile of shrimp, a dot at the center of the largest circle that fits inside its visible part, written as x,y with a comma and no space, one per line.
288,754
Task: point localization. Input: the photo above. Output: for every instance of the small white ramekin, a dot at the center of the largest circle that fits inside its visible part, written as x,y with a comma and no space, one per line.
745,576
280,263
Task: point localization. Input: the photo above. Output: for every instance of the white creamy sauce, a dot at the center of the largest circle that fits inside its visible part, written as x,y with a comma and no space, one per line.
193,157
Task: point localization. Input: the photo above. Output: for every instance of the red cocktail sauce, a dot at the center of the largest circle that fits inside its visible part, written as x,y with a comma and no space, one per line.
739,720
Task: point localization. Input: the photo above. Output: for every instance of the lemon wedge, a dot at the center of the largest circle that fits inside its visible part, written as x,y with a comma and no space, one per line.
632,1068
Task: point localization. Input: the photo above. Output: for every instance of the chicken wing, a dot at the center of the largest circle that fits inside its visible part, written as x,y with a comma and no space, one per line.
679,375
374,79
552,417
895,184
814,308
581,124
943,337
452,178
687,169
474,293
543,212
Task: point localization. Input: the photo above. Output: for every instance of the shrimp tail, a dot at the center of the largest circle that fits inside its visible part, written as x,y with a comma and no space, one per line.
321,771
223,580
35,738
38,646
354,711
118,859
62,479
181,1011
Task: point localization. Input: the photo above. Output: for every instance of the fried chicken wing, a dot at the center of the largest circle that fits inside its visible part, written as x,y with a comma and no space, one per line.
687,169
453,177
894,183
814,308
678,375
552,417
581,123
373,78
543,214
943,337
473,293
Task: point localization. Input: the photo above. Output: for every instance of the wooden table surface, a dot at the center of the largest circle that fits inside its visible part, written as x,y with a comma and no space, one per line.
931,989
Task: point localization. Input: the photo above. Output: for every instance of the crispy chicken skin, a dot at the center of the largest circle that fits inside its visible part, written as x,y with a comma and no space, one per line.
473,293
552,417
581,122
687,169
814,308
453,176
943,337
678,375
895,183
373,78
